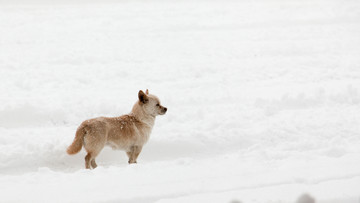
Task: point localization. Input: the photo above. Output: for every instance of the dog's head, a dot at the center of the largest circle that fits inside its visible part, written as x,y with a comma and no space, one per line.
151,104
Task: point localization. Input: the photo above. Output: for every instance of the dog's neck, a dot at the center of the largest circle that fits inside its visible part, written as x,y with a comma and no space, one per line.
139,113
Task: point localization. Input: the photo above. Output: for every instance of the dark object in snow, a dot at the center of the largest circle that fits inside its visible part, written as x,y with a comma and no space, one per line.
305,198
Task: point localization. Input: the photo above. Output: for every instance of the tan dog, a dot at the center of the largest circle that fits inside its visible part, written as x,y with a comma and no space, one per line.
128,132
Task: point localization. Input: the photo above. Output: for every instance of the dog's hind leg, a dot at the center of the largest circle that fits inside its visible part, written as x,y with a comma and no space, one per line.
88,161
93,163
94,142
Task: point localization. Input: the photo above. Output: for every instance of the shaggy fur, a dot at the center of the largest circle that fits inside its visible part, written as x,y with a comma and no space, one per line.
128,132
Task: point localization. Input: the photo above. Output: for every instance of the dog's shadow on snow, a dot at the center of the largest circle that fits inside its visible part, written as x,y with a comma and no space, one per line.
57,160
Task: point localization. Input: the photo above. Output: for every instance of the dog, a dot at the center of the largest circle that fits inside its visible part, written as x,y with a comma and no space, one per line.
128,132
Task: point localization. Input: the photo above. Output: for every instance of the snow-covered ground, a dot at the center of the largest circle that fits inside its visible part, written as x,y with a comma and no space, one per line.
263,99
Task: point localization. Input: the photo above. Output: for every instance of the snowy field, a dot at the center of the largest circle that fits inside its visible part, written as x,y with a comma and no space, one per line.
263,99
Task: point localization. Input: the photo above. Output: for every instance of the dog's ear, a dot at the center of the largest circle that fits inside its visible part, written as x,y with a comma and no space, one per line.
147,91
143,97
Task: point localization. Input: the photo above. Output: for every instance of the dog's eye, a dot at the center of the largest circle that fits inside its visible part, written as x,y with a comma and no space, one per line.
157,104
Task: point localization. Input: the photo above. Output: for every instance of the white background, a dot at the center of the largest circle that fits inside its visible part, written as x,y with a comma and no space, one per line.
263,99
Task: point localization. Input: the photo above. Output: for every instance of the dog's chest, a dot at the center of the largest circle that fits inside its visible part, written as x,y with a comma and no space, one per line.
124,136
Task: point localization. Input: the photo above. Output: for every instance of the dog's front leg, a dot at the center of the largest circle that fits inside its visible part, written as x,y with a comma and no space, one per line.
133,154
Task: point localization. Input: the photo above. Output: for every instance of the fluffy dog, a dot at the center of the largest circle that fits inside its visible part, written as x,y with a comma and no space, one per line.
128,132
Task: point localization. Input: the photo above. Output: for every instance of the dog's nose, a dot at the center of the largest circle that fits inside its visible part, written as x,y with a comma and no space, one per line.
165,109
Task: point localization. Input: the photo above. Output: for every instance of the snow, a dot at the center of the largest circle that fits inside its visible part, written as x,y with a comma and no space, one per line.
263,99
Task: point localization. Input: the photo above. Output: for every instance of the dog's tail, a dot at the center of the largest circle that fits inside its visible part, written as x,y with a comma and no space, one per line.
77,144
